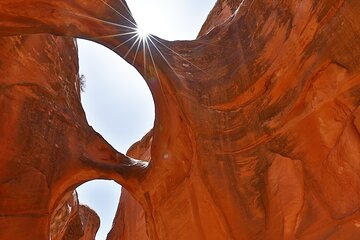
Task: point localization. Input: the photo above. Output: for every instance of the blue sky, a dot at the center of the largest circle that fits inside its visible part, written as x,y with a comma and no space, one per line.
117,102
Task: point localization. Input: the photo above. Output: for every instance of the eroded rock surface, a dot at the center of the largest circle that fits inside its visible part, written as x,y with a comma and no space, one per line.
129,222
47,147
257,121
90,222
70,220
63,216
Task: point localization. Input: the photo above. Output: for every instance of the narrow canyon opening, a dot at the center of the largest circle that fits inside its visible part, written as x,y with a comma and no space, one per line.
103,197
117,102
118,105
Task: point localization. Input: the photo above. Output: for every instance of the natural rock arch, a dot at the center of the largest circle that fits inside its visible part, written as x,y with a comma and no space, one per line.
255,119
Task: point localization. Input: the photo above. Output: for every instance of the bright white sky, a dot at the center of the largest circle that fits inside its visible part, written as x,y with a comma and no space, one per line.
117,102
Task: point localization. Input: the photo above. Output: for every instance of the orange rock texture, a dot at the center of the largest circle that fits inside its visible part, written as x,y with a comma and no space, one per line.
257,129
46,145
129,222
90,222
73,221
66,212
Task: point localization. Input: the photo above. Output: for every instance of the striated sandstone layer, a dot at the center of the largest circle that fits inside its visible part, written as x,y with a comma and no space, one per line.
257,123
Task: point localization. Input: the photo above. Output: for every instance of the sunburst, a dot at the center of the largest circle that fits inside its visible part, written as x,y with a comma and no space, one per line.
140,38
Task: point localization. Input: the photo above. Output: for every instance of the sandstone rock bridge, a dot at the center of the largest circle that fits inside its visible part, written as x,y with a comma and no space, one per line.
256,133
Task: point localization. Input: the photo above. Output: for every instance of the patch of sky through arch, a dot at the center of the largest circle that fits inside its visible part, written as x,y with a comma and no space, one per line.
116,100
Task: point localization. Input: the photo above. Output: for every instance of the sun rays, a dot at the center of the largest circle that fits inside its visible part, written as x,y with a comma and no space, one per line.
142,32
138,39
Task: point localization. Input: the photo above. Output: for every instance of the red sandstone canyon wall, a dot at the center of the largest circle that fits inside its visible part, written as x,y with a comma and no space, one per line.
129,222
46,145
257,130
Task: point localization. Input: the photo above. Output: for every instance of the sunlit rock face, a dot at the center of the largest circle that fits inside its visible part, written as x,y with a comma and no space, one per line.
221,12
274,121
256,133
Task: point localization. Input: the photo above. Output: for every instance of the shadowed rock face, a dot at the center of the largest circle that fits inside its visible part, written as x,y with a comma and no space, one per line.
257,121
66,212
73,221
90,221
